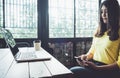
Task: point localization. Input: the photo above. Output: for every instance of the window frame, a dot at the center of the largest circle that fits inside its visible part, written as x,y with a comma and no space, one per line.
43,29
74,26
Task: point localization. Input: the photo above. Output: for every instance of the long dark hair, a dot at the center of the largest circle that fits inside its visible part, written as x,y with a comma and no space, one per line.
113,20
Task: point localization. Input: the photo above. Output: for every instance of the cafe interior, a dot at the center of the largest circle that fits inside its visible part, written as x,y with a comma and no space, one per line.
64,27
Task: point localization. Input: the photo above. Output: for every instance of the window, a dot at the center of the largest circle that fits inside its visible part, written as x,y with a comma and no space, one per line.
1,16
67,20
21,17
1,13
86,17
61,18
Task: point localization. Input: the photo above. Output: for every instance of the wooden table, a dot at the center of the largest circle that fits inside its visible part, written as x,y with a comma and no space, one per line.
9,68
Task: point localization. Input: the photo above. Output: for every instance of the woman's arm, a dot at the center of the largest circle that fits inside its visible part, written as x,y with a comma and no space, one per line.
113,66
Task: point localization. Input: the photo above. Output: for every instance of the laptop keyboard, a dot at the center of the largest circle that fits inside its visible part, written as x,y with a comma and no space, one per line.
28,55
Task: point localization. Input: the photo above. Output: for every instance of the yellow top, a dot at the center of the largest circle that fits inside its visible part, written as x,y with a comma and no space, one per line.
104,50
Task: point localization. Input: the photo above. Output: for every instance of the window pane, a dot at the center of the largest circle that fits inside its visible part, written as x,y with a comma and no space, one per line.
1,13
61,18
1,16
21,18
86,17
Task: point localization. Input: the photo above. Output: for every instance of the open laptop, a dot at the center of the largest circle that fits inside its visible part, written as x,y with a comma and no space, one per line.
22,56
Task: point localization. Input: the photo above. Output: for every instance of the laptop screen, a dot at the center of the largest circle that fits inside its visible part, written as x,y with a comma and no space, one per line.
9,38
10,41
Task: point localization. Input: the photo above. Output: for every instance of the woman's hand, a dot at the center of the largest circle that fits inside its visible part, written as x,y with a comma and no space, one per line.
91,65
81,60
112,66
83,57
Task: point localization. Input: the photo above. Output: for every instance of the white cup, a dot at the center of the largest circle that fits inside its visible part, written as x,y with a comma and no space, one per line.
37,45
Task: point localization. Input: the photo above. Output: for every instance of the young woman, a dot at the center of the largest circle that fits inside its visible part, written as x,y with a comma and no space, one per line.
103,58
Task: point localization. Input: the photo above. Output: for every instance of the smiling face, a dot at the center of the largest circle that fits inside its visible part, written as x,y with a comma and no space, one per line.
104,14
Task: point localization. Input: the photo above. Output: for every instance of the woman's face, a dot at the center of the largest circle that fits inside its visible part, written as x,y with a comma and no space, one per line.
104,14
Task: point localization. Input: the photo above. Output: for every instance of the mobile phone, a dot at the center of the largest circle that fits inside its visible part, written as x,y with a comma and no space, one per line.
78,58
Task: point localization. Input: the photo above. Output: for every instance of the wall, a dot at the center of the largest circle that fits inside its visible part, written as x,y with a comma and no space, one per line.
64,51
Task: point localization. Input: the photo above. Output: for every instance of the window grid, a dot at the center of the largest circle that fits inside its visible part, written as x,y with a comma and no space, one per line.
1,13
61,18
86,18
21,18
1,16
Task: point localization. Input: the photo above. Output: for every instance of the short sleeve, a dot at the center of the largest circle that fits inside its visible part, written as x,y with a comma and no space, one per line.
118,61
91,50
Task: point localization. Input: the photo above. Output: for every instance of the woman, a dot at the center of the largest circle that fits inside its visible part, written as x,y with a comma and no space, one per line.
103,58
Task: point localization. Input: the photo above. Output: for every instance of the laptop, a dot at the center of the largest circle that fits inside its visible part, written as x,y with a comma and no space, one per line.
25,56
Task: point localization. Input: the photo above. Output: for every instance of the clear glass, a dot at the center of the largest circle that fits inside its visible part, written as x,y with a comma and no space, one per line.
21,18
86,17
61,18
1,17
